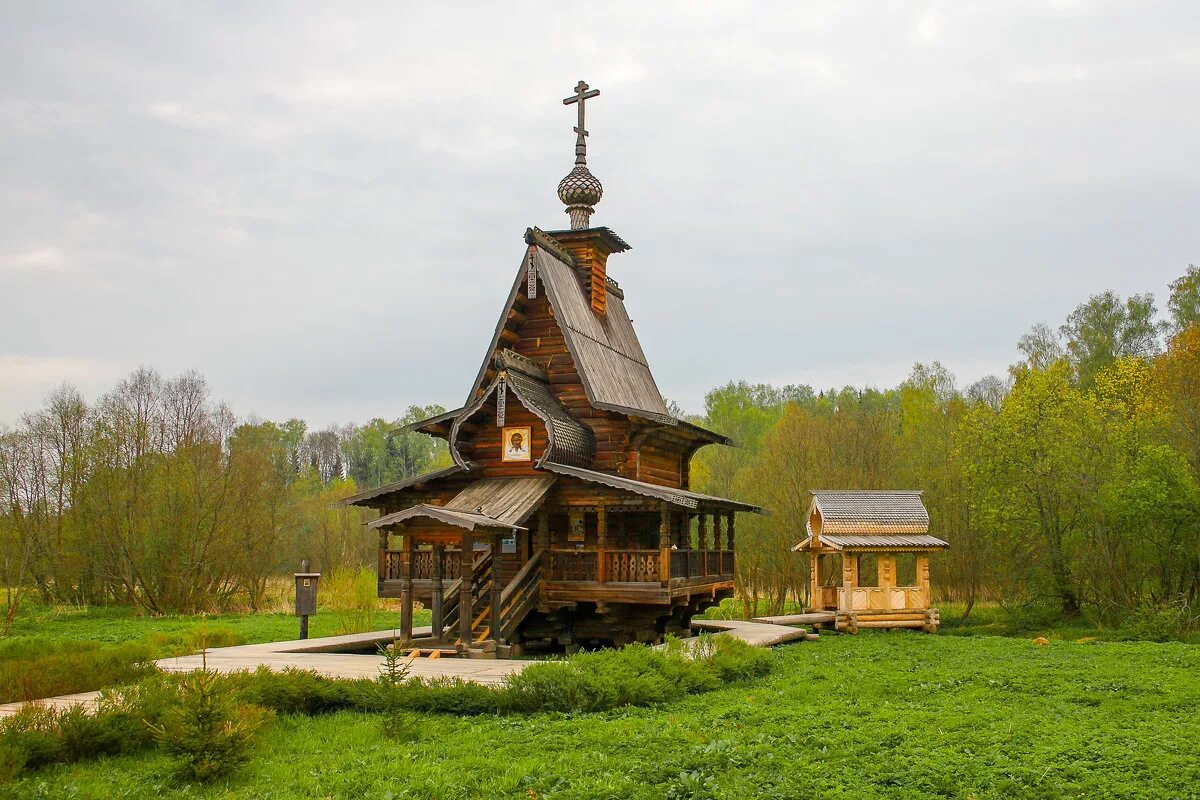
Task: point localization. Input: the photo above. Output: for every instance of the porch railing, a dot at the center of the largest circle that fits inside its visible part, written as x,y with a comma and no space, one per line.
422,565
635,566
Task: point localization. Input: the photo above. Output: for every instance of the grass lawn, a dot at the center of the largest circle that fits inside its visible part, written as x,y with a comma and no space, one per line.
896,715
120,624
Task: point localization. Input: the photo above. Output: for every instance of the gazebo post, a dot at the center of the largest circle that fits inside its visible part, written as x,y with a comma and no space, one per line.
814,580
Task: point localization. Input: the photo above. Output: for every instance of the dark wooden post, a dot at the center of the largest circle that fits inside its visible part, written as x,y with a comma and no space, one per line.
601,544
497,588
543,529
664,545
701,539
406,589
383,543
732,565
719,543
466,610
439,551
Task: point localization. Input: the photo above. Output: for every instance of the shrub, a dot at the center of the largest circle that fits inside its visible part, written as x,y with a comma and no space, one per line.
1162,622
211,731
292,691
34,669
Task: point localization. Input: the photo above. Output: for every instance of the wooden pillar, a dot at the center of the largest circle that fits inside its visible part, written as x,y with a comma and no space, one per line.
701,539
383,543
814,580
406,589
543,530
466,610
497,588
849,581
601,544
720,545
436,603
887,577
716,540
923,579
664,545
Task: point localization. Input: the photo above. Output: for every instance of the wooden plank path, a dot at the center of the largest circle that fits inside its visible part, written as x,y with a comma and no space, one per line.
318,655
813,618
760,634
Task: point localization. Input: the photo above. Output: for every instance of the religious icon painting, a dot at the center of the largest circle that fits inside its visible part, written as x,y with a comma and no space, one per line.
517,444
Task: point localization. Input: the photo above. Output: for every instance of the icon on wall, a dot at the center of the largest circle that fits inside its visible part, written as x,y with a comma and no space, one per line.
517,444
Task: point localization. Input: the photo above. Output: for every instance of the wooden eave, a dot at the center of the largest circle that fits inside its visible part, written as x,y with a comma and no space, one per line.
668,494
416,482
459,519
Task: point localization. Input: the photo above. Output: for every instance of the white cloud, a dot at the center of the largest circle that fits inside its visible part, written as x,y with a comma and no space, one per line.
37,259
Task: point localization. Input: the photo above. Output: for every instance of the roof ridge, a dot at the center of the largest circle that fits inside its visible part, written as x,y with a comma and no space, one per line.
539,238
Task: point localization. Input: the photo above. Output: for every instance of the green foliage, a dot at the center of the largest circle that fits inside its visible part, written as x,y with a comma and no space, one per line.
211,731
636,675
1161,622
393,674
1184,303
33,668
876,715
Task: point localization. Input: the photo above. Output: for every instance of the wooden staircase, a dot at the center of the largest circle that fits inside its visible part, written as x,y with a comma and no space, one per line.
519,597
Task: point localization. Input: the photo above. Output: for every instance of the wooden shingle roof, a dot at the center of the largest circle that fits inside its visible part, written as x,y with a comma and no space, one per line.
870,512
460,519
507,500
868,520
364,498
606,350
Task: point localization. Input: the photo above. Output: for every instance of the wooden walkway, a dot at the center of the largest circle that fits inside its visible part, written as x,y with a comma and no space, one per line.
320,656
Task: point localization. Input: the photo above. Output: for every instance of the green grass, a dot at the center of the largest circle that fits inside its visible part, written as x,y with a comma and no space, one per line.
114,624
62,649
897,715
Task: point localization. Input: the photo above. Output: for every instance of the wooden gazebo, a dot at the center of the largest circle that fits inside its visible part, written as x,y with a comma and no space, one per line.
869,559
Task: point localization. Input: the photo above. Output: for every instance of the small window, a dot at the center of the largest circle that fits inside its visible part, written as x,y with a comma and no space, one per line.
906,569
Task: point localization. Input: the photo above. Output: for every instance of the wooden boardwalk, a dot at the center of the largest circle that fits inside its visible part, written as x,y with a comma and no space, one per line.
320,656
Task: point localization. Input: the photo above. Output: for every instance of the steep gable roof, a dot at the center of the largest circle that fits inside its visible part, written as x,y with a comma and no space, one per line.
606,350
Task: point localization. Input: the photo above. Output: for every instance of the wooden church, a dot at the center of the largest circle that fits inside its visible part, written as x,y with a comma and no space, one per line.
566,518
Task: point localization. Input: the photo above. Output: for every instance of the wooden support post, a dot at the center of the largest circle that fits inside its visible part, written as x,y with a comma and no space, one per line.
601,544
436,603
466,610
497,588
701,538
543,530
716,540
814,580
887,578
849,581
383,543
406,589
923,579
664,545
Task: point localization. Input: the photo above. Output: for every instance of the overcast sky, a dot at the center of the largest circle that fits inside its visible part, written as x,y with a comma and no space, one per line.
320,208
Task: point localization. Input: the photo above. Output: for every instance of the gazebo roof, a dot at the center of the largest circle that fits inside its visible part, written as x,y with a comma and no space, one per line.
868,520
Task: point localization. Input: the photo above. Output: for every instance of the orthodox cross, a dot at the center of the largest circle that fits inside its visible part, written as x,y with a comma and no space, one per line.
581,94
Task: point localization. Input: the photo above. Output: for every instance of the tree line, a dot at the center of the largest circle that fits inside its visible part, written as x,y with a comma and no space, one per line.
1069,485
158,496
